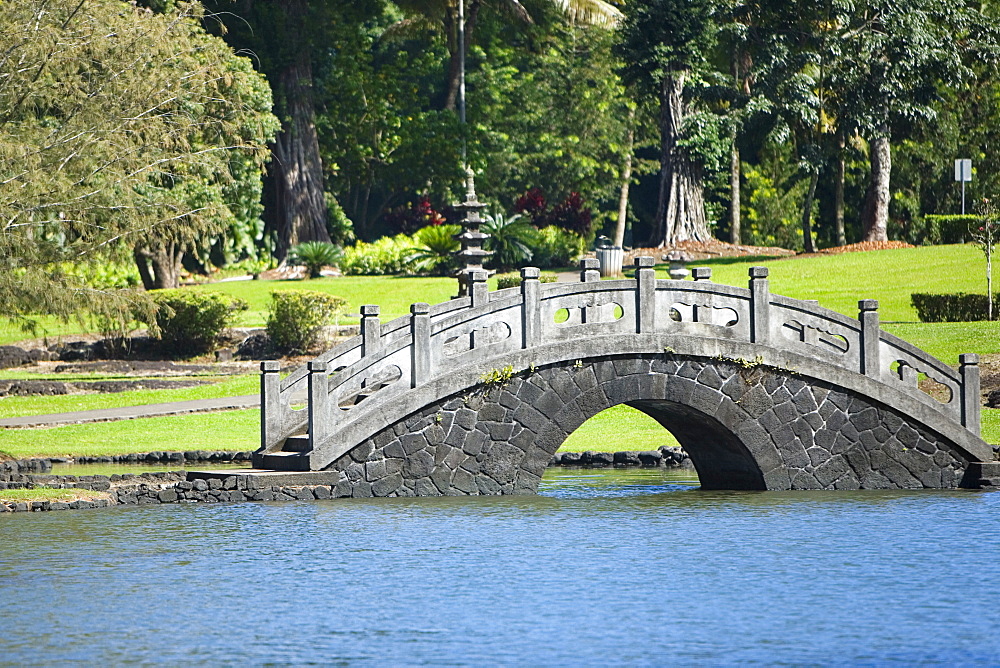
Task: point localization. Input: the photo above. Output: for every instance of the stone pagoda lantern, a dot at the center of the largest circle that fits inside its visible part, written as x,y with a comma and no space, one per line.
472,254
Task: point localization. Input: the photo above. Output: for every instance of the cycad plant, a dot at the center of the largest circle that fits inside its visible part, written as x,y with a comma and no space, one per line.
435,248
510,240
315,255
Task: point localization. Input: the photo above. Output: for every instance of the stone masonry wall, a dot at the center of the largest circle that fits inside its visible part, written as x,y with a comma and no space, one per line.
744,426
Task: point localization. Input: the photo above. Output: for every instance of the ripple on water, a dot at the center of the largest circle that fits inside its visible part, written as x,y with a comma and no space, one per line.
614,566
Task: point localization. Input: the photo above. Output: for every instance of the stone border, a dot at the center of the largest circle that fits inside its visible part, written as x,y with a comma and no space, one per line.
138,489
173,487
44,464
671,458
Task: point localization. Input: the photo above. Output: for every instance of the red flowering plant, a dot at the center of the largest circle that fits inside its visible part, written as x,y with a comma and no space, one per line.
414,216
571,214
533,205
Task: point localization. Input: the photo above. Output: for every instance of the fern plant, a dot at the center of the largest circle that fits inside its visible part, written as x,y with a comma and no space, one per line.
510,240
315,255
435,249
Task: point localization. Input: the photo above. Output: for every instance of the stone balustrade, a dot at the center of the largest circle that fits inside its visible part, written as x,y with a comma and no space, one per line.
367,382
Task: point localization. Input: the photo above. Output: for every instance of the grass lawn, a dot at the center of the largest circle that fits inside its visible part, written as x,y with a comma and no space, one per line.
619,428
227,430
50,494
393,294
231,386
837,281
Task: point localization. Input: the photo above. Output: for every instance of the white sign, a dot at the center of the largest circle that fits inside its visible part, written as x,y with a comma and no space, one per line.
963,170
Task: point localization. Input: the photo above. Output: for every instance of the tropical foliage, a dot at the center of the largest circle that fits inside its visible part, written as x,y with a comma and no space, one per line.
315,255
135,133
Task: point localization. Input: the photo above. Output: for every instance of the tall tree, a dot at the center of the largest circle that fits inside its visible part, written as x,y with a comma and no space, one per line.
664,45
894,59
841,68
288,38
110,116
448,14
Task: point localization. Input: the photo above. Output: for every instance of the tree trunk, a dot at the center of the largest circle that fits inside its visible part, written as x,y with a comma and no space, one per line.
160,267
300,205
626,182
838,205
454,59
734,194
807,240
875,215
680,212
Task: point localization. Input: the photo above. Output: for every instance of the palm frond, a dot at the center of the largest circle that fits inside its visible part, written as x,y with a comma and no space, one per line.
593,12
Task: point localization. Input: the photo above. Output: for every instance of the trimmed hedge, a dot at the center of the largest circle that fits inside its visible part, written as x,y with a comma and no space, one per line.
953,229
953,307
296,317
513,279
191,321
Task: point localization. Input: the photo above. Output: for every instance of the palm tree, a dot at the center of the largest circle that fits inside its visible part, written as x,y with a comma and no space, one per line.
450,15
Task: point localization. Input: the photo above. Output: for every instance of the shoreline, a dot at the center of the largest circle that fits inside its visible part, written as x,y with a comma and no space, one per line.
177,486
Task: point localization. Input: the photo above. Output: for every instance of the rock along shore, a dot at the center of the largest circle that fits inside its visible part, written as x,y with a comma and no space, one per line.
174,487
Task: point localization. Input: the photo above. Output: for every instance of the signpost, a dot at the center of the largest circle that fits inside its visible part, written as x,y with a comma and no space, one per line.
963,173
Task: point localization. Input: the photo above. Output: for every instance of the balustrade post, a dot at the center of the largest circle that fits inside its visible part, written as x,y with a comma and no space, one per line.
531,313
969,371
645,295
590,270
702,273
760,306
371,330
270,404
319,403
871,333
479,290
420,344
589,273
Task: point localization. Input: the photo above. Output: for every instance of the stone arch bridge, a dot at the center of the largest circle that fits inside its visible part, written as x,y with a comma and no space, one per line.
473,396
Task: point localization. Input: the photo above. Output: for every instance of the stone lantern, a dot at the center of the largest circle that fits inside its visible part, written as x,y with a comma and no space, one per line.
472,254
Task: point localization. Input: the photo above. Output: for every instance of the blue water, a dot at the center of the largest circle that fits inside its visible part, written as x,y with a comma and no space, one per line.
616,567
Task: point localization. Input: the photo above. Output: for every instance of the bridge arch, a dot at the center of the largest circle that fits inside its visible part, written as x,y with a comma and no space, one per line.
757,428
475,395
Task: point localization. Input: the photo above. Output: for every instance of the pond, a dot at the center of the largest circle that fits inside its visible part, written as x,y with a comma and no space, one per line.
626,566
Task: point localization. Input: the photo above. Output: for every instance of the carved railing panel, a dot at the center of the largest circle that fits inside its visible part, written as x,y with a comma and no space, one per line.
701,308
808,328
903,365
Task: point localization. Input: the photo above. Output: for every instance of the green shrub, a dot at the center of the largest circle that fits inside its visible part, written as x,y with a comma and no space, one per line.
191,320
953,307
104,275
513,279
388,255
315,255
339,226
510,240
556,247
434,249
296,317
934,230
